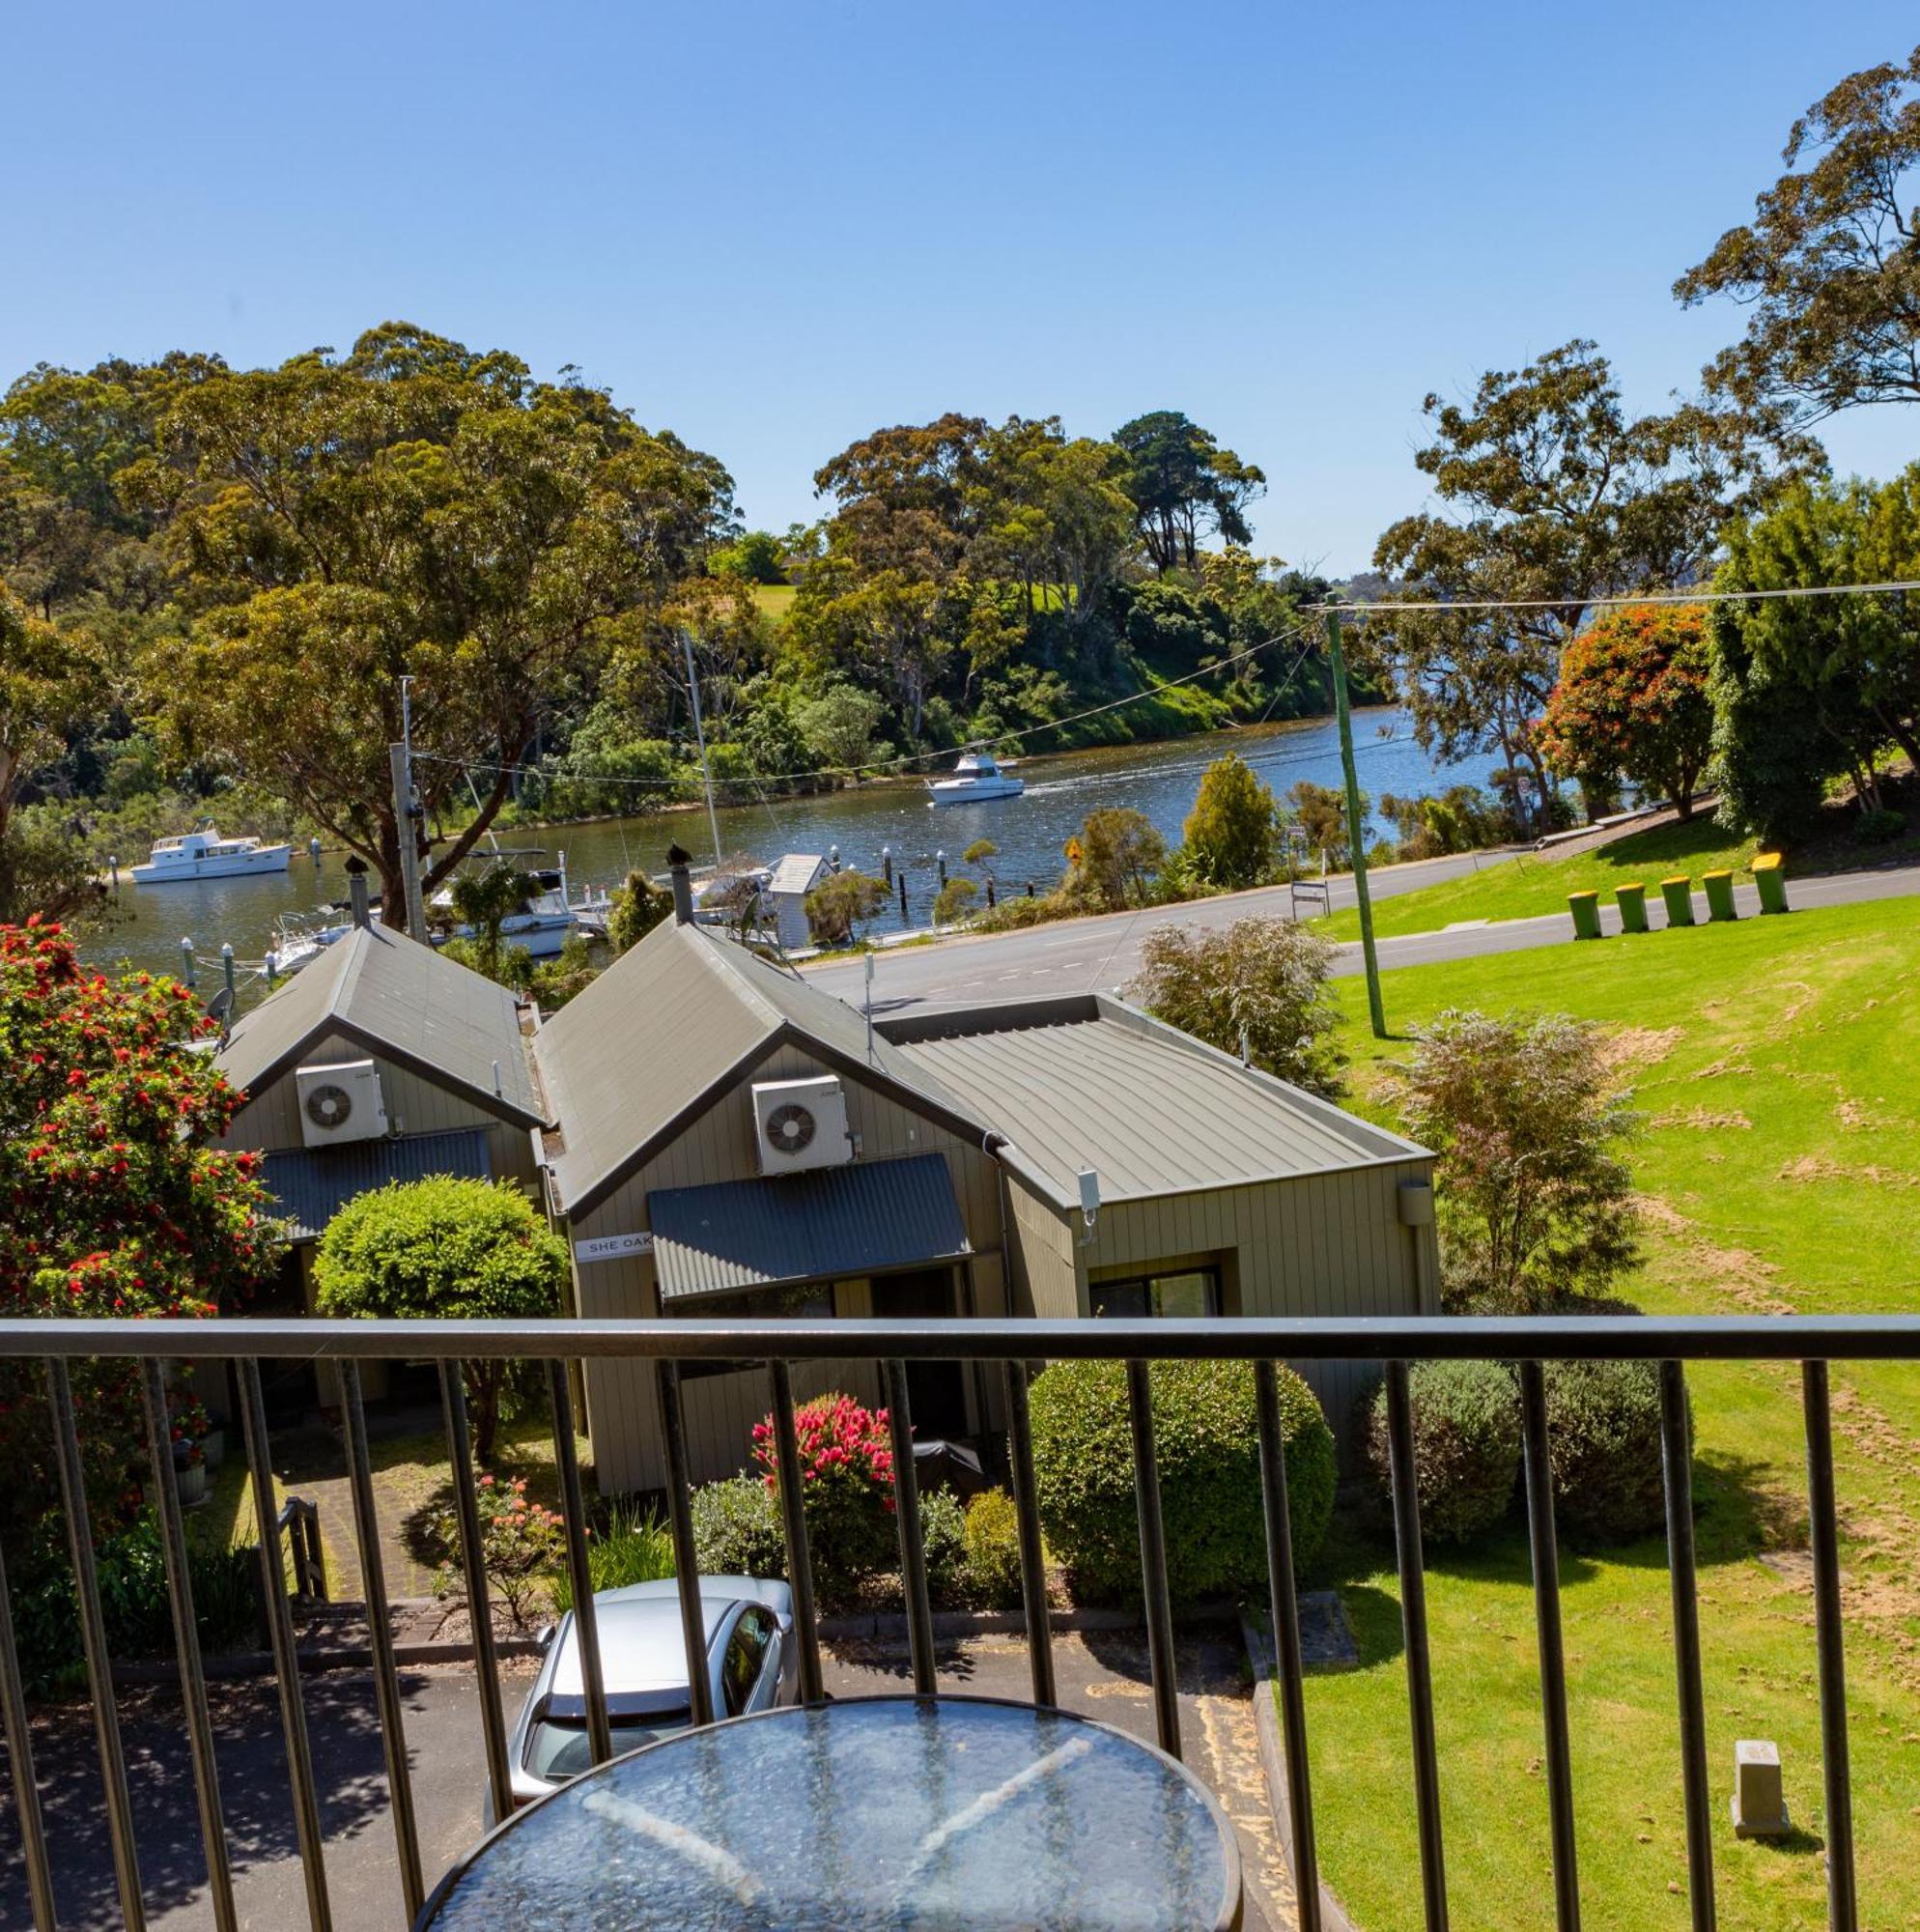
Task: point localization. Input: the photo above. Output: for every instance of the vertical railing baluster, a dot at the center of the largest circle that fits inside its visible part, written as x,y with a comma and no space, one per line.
686,1559
92,1643
286,1658
793,1516
380,1633
906,1519
1153,1562
1419,1658
579,1571
1843,1908
479,1598
1677,1464
1285,1605
186,1647
1027,1514
20,1763
1552,1648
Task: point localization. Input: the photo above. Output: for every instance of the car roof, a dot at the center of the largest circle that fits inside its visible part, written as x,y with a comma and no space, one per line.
641,1645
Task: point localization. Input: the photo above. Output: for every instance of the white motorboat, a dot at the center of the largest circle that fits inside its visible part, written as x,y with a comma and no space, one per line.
547,916
975,778
205,855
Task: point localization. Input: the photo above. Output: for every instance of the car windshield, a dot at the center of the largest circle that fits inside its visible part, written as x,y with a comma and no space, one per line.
557,1748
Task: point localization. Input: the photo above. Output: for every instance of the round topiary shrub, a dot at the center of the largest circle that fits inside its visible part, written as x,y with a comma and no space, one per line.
1604,1438
1207,1442
992,1550
1466,1445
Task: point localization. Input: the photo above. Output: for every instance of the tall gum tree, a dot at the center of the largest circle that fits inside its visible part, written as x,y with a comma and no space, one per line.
412,508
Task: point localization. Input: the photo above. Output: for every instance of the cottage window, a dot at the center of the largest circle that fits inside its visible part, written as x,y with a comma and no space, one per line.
1192,1291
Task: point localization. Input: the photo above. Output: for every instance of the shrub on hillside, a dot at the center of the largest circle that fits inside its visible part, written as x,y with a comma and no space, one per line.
1603,1430
1207,1435
1466,1446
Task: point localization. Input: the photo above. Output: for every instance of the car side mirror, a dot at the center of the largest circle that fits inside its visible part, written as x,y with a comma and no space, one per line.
545,1638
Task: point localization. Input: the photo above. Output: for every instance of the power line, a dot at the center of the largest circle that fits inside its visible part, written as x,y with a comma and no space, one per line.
1391,604
911,758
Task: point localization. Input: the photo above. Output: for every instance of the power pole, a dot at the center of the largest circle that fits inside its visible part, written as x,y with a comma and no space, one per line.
1356,829
700,738
406,816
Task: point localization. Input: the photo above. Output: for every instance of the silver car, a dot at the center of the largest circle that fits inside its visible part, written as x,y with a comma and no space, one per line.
752,1664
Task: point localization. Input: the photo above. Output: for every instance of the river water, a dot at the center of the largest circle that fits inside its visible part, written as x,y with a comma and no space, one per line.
1030,832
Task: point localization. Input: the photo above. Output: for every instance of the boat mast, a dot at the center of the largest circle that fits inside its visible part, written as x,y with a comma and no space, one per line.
700,738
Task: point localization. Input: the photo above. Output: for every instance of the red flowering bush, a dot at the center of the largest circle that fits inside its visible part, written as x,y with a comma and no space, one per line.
846,1477
116,1202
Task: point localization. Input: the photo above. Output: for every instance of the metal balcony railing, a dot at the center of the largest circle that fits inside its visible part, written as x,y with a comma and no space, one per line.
1813,1342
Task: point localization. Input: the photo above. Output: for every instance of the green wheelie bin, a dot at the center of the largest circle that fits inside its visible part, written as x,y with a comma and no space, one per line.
1679,896
1770,876
1719,895
1632,902
1586,909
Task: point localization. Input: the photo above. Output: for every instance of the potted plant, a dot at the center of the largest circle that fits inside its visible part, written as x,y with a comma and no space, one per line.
189,1470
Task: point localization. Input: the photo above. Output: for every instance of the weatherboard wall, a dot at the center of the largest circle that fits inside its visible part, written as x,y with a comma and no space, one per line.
719,1145
270,1120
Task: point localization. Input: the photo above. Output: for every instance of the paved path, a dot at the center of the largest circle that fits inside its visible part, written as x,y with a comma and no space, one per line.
1101,954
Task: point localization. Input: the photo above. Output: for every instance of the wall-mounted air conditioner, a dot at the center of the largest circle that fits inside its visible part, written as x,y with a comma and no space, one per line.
801,1123
340,1102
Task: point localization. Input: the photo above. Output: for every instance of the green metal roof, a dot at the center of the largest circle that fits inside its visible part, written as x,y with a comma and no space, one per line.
1090,1082
830,1223
310,1185
403,1001
670,1025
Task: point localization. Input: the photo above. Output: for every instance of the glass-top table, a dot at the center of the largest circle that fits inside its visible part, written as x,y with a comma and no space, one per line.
877,1813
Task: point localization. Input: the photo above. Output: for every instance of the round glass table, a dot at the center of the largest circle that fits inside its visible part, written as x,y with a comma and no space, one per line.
876,1812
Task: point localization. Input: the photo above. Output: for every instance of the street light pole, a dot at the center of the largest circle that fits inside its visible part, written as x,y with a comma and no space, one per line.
1356,828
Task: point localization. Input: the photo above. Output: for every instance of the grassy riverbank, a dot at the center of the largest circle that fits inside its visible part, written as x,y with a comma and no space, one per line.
1775,1060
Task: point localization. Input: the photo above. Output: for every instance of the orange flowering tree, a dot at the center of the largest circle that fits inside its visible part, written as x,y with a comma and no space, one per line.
1632,703
117,1203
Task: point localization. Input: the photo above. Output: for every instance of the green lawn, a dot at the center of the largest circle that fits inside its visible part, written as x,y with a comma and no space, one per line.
1775,1059
1525,884
774,600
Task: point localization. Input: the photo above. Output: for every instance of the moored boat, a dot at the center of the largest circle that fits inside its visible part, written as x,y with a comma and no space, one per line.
205,855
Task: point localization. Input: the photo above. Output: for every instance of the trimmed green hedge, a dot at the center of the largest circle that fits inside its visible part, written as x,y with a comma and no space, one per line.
1604,1435
1466,1445
1207,1441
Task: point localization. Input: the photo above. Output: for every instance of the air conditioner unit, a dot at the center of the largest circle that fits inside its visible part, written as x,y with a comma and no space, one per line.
801,1123
340,1102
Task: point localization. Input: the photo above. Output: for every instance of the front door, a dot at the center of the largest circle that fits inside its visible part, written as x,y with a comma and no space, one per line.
936,1391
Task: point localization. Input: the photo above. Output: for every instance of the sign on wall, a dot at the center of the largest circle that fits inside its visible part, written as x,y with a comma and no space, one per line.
613,1247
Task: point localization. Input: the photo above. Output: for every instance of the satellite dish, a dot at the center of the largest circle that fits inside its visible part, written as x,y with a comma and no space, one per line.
329,1106
790,1127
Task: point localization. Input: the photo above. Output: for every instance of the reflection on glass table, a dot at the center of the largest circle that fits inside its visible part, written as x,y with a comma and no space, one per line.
878,1812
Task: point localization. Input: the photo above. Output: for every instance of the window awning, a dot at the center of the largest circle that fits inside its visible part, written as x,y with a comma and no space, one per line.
830,1223
310,1185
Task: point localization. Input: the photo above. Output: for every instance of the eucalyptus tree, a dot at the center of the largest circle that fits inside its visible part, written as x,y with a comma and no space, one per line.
1185,486
1828,268
410,509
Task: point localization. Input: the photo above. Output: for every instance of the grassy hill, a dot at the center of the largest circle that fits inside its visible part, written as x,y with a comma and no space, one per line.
1775,1060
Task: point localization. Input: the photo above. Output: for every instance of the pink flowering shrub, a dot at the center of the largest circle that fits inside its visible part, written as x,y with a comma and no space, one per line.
846,1476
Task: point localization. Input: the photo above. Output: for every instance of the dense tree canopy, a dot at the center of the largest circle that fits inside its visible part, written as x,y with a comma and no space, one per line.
1828,268
1631,702
1552,494
1184,487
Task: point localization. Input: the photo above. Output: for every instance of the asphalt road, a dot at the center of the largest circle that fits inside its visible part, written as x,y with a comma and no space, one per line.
1101,954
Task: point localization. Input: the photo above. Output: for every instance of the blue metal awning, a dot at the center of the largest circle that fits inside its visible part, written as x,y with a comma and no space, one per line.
832,1223
312,1185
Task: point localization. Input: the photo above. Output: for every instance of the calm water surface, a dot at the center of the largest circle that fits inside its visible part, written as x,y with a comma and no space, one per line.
1031,831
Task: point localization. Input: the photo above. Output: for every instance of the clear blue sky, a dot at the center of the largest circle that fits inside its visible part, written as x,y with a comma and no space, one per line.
774,228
